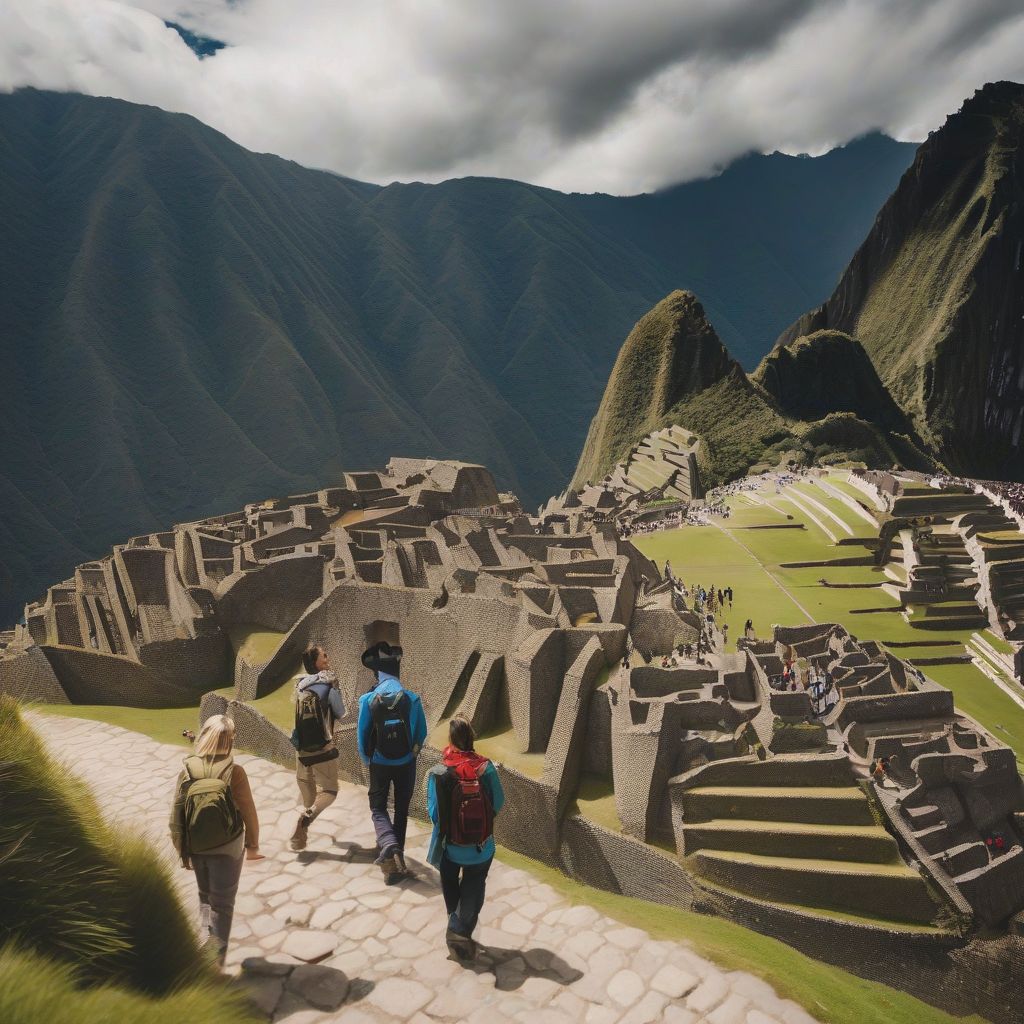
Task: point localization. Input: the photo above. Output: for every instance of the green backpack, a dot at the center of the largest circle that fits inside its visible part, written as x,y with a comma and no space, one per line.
211,817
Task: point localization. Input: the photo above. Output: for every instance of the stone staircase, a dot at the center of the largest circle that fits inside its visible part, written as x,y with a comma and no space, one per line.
801,833
943,583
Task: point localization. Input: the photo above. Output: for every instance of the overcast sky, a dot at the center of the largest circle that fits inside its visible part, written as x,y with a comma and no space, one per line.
619,96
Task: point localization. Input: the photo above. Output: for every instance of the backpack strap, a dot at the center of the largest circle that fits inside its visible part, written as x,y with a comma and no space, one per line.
203,768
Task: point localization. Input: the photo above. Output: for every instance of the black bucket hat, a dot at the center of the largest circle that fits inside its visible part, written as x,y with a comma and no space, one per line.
383,657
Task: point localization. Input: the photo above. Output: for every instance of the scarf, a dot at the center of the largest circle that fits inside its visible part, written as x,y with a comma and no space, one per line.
454,758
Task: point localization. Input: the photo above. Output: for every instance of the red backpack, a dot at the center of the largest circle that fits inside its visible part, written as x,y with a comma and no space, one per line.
470,819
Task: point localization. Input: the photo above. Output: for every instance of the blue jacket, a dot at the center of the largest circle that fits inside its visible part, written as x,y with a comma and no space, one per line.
389,687
461,854
325,691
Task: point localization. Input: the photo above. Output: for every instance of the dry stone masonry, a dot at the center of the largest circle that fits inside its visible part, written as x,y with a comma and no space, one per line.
716,789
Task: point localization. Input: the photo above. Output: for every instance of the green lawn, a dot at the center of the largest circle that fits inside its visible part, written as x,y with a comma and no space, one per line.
253,643
709,556
860,527
595,801
828,993
976,695
997,642
500,744
750,560
164,725
841,484
278,707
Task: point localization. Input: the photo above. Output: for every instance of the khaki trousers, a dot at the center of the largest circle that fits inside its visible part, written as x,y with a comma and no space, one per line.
318,784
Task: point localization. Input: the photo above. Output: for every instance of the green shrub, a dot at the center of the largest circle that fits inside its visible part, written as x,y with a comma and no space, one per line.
38,990
74,889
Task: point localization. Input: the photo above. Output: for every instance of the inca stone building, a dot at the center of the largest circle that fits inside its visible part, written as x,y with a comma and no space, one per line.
722,793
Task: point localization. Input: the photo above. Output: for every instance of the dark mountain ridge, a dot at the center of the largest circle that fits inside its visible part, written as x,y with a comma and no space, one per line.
918,356
935,295
187,326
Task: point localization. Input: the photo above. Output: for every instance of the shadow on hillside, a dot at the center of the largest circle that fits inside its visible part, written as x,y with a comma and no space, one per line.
511,967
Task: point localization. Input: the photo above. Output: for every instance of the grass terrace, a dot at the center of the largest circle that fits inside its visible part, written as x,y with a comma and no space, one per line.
828,993
768,589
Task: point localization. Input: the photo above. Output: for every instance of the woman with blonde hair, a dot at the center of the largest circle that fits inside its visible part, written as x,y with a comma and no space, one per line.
214,826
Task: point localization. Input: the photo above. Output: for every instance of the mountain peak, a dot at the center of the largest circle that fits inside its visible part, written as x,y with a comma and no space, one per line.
933,294
993,98
671,354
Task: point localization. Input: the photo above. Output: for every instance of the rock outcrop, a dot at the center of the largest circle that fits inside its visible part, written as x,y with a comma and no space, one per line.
935,296
827,372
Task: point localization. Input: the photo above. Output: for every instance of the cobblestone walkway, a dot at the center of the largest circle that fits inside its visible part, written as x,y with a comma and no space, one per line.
323,939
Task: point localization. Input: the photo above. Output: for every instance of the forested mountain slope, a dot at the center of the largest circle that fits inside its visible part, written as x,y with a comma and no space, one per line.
936,292
186,326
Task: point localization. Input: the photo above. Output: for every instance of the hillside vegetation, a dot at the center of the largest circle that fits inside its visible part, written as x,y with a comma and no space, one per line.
917,359
672,369
934,293
86,909
187,326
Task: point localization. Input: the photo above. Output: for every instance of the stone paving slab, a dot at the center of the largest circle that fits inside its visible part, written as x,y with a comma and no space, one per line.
318,937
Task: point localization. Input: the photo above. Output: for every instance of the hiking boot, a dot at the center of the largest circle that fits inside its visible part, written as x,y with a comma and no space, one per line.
301,833
407,872
460,946
387,861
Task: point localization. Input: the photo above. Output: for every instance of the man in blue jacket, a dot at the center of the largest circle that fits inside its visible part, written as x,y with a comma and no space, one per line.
391,730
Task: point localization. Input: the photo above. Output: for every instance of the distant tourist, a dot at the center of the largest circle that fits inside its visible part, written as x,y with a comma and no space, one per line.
214,826
391,731
318,705
463,795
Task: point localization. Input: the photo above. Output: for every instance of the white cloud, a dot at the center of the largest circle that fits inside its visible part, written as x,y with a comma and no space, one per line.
579,94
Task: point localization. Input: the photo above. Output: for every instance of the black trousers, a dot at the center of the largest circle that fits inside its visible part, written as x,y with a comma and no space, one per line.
463,898
391,832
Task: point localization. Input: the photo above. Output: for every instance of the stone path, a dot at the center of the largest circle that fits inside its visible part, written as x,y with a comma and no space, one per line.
321,938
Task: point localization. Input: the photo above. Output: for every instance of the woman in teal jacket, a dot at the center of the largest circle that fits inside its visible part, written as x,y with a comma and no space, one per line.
463,866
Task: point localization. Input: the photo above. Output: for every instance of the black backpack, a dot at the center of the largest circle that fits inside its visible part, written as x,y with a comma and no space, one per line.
391,737
312,721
